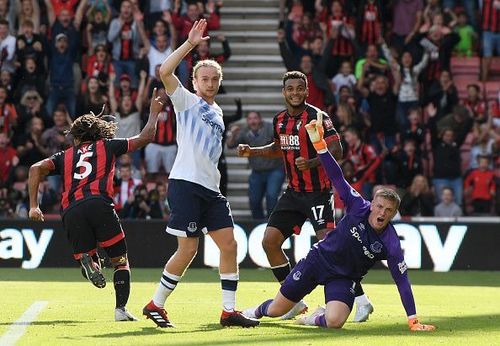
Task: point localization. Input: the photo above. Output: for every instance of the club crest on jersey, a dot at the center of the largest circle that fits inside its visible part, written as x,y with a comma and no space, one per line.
85,148
376,247
328,124
296,276
192,227
299,124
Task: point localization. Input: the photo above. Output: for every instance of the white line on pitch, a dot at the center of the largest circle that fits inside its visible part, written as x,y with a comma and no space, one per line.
18,328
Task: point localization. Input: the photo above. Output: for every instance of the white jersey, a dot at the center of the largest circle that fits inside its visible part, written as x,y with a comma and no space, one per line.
199,139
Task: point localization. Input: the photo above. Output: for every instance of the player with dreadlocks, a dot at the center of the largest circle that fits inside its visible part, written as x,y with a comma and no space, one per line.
87,210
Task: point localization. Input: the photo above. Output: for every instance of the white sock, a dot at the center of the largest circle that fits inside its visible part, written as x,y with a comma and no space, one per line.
229,283
167,284
362,300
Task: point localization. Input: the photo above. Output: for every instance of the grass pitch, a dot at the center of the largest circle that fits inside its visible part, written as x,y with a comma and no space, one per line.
463,305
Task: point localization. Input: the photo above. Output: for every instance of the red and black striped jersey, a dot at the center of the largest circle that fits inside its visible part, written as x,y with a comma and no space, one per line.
294,142
166,127
87,170
370,25
491,16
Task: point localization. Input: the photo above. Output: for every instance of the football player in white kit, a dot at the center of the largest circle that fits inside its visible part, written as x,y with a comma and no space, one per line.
197,205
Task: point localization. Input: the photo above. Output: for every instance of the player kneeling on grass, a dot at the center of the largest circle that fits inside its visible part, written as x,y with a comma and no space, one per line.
87,210
364,236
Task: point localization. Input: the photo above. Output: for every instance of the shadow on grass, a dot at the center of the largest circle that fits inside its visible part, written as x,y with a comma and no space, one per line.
44,323
446,327
381,277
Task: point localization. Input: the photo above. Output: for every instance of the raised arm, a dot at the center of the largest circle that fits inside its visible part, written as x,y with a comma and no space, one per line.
51,16
149,131
170,64
140,92
37,174
271,150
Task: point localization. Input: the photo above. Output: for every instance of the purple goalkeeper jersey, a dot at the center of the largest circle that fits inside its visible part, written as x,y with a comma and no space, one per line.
353,247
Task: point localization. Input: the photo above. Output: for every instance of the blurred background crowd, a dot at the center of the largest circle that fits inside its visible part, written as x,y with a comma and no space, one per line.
411,86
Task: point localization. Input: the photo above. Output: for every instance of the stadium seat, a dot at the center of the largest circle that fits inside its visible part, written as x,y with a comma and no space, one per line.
461,83
465,67
491,90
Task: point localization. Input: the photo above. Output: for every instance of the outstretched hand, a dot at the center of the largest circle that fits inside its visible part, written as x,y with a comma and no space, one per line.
316,132
157,103
196,34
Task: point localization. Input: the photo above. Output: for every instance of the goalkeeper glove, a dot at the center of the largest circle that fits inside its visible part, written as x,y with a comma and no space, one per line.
315,131
416,326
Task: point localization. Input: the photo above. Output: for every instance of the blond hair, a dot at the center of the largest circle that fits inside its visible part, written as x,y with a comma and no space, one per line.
207,63
389,194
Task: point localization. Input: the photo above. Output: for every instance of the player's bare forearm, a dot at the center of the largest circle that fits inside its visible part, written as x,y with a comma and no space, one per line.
147,134
37,173
335,147
271,150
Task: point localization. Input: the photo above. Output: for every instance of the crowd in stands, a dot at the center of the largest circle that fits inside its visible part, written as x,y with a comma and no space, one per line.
60,59
388,72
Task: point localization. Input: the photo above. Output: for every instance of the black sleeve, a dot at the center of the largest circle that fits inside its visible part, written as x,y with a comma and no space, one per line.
118,146
57,160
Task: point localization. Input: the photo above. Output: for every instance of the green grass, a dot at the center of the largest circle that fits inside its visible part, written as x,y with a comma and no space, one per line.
463,305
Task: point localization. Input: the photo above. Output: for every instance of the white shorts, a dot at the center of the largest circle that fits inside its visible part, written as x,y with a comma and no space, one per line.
160,155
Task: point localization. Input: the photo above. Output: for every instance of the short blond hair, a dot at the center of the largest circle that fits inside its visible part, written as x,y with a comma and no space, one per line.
389,194
207,63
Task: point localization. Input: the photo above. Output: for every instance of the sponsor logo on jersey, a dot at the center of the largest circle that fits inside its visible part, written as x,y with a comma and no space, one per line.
289,142
85,148
296,275
328,124
376,247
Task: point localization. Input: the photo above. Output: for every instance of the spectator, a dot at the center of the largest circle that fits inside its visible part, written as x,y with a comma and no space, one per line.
31,106
126,159
370,65
138,206
475,103
480,185
55,139
416,130
369,22
63,20
470,9
443,95
447,207
408,96
362,156
382,111
347,118
320,94
8,159
446,156
267,176
491,34
8,114
92,100
30,78
28,10
30,146
61,76
99,66
59,6
343,78
96,31
419,200
483,144
7,47
7,81
408,163
156,10
159,51
128,114
161,152
126,32
30,44
124,186
459,121
467,35
162,199
183,23
407,19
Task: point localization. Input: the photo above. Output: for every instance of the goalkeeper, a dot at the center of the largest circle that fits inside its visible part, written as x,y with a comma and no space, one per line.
364,236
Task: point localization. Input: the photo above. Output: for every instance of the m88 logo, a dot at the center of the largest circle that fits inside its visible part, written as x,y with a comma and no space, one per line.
289,141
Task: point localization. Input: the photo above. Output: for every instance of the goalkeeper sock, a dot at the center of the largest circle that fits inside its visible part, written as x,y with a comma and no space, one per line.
121,279
361,300
281,271
262,309
229,283
168,283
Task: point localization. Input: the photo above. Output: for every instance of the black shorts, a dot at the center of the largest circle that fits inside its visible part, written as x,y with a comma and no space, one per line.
93,222
294,208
